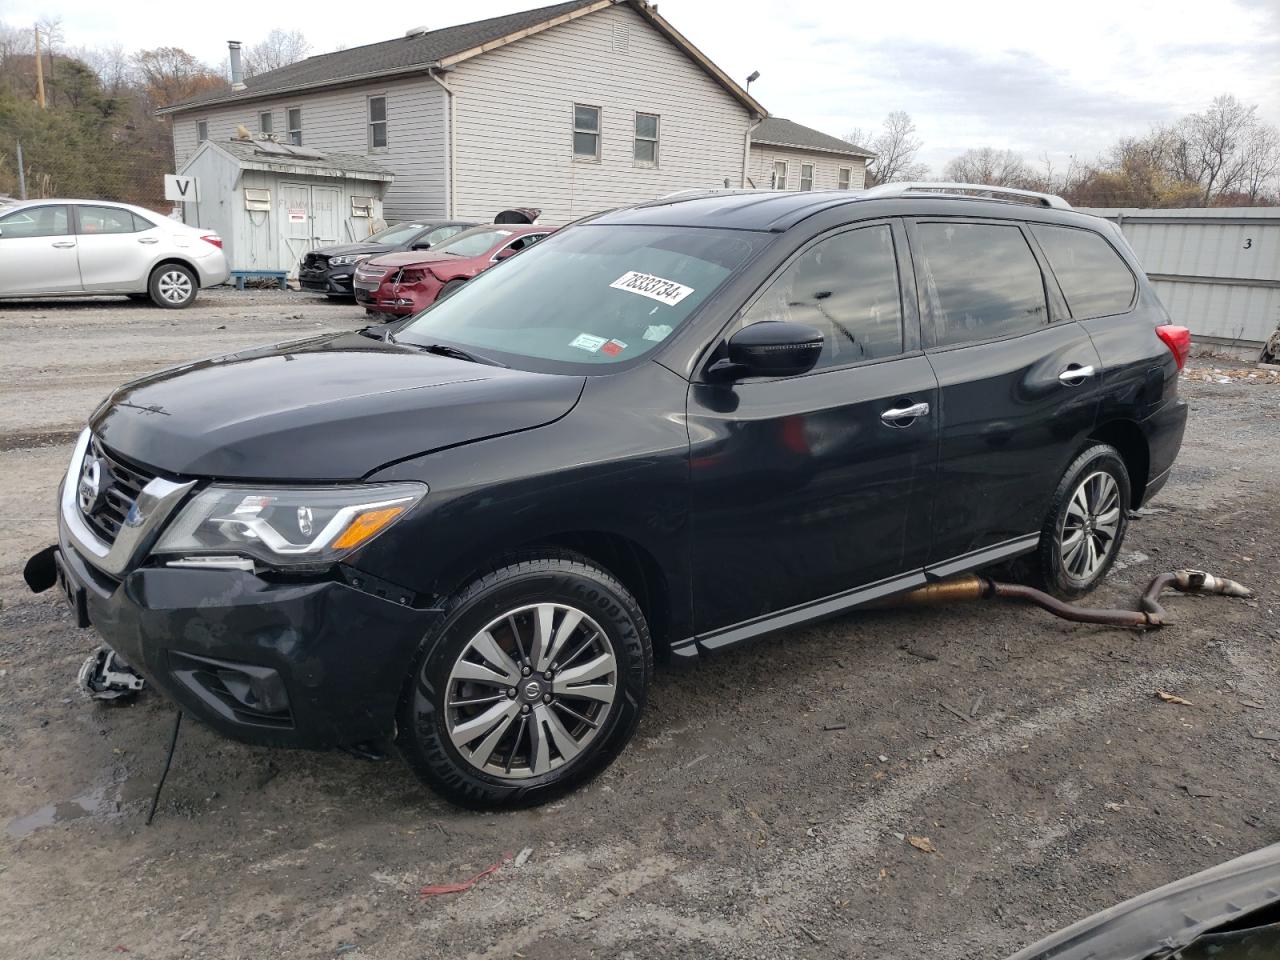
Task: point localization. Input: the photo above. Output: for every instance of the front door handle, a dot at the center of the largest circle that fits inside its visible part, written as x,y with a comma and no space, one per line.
148,239
1075,375
64,244
895,415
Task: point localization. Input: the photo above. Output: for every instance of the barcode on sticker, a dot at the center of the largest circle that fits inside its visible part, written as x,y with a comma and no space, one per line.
655,288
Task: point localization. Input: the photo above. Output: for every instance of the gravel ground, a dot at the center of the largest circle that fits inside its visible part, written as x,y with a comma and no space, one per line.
1034,754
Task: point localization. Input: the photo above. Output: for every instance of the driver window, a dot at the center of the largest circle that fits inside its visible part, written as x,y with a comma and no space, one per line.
48,221
847,287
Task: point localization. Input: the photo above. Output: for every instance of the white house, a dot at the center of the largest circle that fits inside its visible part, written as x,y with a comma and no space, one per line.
786,155
572,108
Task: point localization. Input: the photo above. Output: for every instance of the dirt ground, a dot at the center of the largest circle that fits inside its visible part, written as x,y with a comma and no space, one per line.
1034,754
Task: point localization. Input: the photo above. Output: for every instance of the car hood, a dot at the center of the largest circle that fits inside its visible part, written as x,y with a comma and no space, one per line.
364,249
407,257
333,408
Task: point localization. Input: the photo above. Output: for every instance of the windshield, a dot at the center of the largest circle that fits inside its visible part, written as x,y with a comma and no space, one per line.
473,242
398,233
593,294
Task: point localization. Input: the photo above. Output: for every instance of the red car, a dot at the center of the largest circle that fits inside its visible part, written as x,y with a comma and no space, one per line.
404,283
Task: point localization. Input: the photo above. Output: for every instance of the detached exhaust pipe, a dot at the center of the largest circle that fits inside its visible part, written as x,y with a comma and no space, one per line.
1151,615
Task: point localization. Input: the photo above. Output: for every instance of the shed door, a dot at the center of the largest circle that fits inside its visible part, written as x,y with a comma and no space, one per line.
326,221
295,221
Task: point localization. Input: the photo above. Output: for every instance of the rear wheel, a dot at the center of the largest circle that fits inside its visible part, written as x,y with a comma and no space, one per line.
1087,521
532,684
173,286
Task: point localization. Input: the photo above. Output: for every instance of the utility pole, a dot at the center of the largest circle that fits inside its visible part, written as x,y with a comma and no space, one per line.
22,174
39,73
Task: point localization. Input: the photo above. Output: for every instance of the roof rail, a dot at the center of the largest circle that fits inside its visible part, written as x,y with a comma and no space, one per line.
996,193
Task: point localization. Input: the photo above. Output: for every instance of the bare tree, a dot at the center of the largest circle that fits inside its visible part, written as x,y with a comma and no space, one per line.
279,49
1261,163
113,65
895,148
989,166
1216,140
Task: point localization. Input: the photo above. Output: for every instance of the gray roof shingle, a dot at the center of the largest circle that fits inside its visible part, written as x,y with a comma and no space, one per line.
780,132
387,56
267,154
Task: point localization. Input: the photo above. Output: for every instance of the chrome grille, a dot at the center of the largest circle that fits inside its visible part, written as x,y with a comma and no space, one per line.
124,481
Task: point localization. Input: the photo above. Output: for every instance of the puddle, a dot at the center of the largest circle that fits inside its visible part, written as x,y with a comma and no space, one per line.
85,805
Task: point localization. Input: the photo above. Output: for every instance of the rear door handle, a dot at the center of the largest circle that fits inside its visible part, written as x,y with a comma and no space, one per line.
895,415
64,244
1075,375
148,239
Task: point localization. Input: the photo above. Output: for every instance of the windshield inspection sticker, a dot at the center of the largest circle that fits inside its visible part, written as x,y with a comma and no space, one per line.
655,288
585,341
613,348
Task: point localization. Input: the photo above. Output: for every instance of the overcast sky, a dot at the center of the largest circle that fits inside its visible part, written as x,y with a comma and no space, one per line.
1042,77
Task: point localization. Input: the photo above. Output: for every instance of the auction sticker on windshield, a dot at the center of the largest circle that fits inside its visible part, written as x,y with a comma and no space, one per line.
655,288
585,341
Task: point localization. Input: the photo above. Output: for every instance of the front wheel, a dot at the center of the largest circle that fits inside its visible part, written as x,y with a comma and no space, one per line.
533,683
173,286
1087,520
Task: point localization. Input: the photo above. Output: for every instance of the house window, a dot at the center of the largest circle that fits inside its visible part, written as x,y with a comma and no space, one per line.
586,132
202,131
294,118
646,147
806,176
779,174
377,123
846,178
264,123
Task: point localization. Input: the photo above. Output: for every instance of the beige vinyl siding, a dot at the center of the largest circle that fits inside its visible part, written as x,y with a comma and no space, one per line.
826,167
338,121
514,117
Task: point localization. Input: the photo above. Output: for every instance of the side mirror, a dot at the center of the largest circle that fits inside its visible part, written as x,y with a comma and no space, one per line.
421,246
771,348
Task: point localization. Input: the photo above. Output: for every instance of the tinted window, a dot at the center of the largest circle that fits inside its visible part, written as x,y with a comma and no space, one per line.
847,287
1094,279
95,220
141,223
35,222
982,281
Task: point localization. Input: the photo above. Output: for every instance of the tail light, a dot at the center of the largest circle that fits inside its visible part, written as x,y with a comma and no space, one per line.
212,238
1178,340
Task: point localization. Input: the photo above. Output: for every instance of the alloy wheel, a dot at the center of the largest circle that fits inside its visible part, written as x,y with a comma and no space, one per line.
175,286
1090,525
530,691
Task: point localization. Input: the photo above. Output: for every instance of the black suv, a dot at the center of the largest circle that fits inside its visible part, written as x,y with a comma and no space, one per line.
329,269
666,429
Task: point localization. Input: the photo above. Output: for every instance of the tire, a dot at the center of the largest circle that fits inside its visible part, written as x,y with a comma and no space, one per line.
449,289
1095,487
499,750
173,286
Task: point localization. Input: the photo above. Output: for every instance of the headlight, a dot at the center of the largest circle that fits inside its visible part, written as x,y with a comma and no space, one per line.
347,259
287,526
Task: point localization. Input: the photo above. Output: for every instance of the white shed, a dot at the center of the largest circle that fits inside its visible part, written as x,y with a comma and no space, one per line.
272,202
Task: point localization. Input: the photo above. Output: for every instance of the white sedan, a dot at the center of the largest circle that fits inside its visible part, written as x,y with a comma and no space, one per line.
67,248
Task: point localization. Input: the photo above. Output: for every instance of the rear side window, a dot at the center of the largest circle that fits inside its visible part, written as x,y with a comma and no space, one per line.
94,220
847,287
1094,279
982,281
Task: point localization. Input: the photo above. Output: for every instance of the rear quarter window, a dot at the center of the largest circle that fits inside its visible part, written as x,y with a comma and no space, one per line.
1094,278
